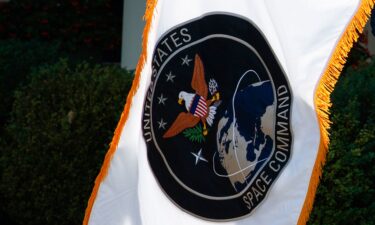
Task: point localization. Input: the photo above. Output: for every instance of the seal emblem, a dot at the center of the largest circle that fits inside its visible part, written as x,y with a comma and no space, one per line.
216,117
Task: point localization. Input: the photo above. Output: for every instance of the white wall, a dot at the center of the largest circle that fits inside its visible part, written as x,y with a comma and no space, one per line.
132,32
371,39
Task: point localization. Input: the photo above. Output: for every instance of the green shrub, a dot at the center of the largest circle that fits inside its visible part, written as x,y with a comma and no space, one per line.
346,194
17,59
61,126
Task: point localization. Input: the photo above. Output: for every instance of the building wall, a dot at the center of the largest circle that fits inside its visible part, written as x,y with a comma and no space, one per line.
371,39
132,32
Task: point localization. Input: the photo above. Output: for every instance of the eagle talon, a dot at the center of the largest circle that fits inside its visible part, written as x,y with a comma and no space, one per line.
205,132
216,97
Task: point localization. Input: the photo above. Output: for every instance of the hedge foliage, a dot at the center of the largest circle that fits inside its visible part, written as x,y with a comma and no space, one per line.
346,194
61,126
17,59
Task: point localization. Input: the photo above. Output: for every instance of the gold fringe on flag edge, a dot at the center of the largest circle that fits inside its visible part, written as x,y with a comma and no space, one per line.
150,7
322,97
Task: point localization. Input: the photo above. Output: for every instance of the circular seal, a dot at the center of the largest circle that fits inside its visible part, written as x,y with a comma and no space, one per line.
216,117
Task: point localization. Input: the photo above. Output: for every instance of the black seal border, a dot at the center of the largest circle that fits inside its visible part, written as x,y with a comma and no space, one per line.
195,205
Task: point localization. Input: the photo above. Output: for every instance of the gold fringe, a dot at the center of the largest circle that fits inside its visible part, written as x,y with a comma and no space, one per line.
150,7
322,97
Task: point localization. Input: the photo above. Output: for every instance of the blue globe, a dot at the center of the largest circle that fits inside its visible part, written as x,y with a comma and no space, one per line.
245,135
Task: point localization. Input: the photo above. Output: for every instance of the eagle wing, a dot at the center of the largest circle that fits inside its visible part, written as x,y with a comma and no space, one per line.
184,120
199,83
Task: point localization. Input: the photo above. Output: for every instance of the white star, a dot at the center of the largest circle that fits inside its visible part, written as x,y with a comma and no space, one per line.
162,99
198,157
162,124
170,76
186,60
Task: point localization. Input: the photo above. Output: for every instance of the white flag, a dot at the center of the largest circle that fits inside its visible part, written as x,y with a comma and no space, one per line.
228,114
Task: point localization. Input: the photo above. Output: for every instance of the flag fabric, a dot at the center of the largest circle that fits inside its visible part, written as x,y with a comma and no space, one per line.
262,72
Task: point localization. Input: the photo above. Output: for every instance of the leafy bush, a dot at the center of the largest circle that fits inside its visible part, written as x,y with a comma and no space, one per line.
61,126
17,58
346,194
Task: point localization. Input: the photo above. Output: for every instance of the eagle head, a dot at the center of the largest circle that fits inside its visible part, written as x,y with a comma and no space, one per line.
185,97
181,97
